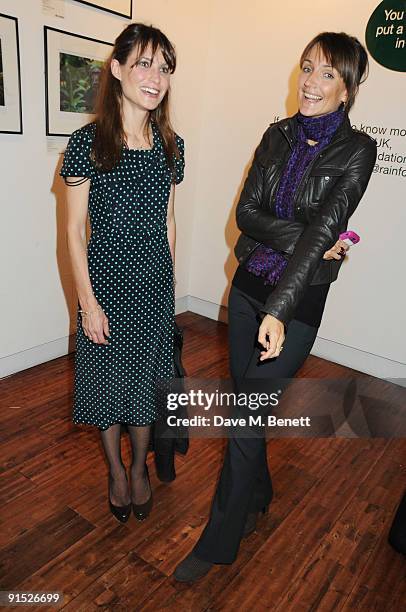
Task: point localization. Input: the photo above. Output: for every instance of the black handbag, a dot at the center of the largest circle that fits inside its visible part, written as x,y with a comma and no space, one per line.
397,533
179,370
170,439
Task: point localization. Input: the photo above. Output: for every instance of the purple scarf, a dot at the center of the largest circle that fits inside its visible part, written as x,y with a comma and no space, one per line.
265,261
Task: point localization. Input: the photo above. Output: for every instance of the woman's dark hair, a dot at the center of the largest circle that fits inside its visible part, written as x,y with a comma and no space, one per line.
346,54
110,137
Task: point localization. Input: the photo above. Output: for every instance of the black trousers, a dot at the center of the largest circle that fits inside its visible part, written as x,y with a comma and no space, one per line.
245,484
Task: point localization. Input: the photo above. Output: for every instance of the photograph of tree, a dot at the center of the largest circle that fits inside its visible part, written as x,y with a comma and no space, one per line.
2,102
73,66
79,80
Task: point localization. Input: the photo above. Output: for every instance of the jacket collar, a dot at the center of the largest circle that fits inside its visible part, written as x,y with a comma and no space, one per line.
289,128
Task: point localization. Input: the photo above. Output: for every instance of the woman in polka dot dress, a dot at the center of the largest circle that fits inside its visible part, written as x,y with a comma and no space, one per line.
122,170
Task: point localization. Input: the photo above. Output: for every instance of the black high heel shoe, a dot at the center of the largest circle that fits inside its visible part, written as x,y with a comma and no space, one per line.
251,522
142,511
121,513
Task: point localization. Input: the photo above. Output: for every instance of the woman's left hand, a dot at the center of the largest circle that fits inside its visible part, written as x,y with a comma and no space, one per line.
337,251
271,336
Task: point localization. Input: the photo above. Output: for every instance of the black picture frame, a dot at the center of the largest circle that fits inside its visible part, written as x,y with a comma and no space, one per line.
61,122
15,114
97,5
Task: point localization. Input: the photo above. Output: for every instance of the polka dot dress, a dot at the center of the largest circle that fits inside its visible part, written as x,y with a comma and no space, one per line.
131,273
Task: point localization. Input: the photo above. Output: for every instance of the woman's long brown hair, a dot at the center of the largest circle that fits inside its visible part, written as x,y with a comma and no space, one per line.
110,137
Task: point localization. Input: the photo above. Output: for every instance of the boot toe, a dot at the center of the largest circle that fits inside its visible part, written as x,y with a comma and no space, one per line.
192,568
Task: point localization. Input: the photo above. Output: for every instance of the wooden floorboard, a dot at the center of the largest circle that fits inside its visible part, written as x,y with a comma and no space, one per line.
322,546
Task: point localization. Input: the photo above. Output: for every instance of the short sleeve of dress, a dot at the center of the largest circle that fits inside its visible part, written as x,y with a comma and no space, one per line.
180,162
76,161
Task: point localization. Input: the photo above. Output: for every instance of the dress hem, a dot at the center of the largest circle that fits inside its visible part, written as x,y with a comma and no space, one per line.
115,423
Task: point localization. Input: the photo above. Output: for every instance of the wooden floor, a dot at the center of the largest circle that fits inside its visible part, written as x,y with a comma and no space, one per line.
321,547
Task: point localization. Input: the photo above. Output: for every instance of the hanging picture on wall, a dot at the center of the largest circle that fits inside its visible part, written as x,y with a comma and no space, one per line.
124,8
2,100
10,79
73,66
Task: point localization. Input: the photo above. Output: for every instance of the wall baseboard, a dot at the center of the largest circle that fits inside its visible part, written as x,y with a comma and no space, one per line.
181,304
351,357
207,309
36,355
365,362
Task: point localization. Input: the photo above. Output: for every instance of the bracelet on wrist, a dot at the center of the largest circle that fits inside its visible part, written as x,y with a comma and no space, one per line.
90,312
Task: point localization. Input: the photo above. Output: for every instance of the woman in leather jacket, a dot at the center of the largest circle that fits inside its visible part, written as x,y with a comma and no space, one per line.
307,178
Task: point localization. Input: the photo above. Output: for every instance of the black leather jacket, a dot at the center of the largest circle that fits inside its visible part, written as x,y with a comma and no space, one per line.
327,196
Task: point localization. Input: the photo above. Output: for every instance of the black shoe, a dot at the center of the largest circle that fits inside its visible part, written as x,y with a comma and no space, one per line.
251,522
142,511
165,466
121,513
192,568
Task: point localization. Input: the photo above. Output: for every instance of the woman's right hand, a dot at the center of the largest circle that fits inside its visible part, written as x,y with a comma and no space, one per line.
95,325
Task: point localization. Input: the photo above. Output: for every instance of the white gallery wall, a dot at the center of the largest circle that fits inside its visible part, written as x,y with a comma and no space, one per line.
237,64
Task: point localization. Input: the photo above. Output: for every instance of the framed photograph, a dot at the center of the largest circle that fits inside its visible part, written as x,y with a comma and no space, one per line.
11,118
124,8
73,65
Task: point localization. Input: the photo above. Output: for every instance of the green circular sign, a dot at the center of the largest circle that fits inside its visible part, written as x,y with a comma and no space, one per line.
386,34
